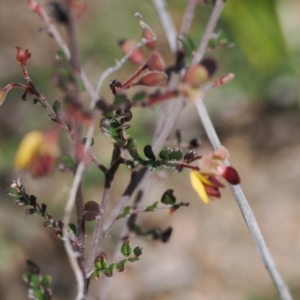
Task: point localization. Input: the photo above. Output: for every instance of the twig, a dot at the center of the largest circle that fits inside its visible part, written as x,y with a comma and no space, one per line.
54,33
247,213
73,256
171,35
136,177
98,233
188,16
119,63
214,17
167,23
168,126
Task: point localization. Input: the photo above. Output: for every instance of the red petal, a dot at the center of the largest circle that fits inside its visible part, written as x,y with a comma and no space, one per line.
230,174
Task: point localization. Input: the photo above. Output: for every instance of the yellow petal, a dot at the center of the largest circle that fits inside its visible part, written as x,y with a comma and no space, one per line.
204,179
199,186
31,144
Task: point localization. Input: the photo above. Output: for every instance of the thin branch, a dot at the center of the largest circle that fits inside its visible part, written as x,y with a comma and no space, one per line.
167,23
119,63
98,236
247,213
136,177
98,233
168,126
72,255
213,19
188,16
54,33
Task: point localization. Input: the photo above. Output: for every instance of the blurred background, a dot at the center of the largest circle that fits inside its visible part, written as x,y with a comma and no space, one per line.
211,255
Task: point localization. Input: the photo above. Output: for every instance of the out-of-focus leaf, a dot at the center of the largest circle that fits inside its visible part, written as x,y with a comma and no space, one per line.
257,30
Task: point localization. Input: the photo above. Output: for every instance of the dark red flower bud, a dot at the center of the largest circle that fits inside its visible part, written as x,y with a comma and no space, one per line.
230,174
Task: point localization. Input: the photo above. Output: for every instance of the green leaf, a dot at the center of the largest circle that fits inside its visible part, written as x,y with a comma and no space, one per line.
46,281
108,272
153,233
138,251
120,99
72,229
135,228
68,162
120,266
188,44
152,165
127,211
133,259
84,140
256,28
130,144
34,280
140,96
168,197
126,248
96,275
61,54
152,207
12,192
56,106
38,294
177,154
166,154
149,152
100,262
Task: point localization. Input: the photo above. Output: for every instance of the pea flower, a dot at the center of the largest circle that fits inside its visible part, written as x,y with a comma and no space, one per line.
205,181
37,152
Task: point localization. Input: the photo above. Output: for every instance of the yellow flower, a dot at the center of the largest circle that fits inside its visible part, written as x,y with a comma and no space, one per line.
205,185
37,152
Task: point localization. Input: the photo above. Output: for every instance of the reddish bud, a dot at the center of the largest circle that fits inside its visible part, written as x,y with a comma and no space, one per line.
148,35
155,62
22,56
196,75
228,77
153,78
137,56
34,6
229,173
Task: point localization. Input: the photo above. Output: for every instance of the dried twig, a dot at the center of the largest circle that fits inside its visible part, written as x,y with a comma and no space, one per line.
188,16
241,200
54,33
209,30
247,213
167,23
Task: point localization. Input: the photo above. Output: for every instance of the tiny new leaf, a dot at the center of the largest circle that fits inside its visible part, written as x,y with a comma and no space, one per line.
168,197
